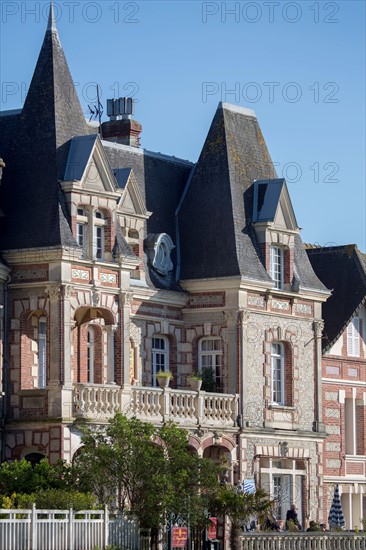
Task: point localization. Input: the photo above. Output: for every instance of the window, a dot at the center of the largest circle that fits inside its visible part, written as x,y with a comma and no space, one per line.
354,426
42,352
98,240
90,233
353,337
160,356
81,227
285,481
210,360
276,266
90,355
278,378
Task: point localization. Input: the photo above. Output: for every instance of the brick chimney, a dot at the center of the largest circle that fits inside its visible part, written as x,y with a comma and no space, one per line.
121,128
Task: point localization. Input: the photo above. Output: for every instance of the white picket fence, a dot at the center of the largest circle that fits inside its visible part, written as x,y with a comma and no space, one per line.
66,530
303,541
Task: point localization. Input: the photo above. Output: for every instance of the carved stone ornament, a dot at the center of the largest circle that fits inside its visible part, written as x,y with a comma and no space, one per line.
95,298
318,328
126,298
53,292
66,291
158,249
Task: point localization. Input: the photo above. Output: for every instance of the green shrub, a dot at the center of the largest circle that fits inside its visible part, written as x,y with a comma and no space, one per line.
58,499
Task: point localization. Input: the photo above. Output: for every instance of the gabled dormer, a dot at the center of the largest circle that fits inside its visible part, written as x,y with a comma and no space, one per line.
275,225
88,169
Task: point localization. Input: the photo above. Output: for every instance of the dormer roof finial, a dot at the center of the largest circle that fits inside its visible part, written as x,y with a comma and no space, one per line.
51,19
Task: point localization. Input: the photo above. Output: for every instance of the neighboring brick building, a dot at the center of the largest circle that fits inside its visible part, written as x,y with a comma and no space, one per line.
124,262
343,269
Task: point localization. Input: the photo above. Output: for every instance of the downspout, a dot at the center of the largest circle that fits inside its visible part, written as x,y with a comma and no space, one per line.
5,384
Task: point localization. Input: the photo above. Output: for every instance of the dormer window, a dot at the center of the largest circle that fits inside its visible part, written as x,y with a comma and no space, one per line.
277,266
90,233
81,227
98,241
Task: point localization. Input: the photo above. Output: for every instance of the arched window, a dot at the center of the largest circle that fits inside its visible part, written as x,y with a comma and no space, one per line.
160,356
278,373
210,363
34,458
90,355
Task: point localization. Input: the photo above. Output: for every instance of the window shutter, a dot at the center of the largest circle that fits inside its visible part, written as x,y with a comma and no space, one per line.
353,337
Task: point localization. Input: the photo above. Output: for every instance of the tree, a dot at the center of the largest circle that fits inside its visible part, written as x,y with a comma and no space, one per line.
150,469
239,507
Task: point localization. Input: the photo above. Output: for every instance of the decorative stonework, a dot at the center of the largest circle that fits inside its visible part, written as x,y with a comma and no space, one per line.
80,274
109,278
159,248
126,298
206,299
304,309
66,291
95,298
53,292
30,275
256,301
280,304
318,328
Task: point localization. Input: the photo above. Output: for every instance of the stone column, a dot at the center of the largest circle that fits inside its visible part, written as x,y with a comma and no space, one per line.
125,300
125,322
318,420
66,397
55,337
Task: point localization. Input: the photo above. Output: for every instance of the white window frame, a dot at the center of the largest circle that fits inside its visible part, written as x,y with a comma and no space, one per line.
99,222
353,337
81,230
278,373
42,352
216,356
159,356
276,260
90,355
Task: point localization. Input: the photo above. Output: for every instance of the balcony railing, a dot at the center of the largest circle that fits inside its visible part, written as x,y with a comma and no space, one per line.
184,407
303,541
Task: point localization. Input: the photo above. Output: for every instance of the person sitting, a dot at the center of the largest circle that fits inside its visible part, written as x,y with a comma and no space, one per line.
271,524
291,515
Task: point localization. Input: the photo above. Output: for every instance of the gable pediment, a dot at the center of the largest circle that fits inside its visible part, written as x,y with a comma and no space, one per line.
131,202
88,166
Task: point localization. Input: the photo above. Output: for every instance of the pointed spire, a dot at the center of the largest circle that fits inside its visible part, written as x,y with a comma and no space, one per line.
51,19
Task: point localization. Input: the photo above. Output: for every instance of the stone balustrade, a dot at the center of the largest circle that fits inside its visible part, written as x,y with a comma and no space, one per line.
303,541
100,402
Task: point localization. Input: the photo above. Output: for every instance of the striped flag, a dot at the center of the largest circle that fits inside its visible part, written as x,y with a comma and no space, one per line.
249,486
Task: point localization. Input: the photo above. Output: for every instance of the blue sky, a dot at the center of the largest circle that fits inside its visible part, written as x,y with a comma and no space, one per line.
299,65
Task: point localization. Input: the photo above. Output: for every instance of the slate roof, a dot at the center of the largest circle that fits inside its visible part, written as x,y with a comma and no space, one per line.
267,194
342,269
216,213
122,175
79,153
38,142
161,180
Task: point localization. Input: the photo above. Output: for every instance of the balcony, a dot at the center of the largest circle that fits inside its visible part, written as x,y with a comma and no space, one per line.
186,408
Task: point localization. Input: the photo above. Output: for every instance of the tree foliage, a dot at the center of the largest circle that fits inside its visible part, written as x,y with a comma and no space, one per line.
21,477
152,468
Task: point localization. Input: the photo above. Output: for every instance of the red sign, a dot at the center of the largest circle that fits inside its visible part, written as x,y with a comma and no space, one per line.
179,537
212,529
